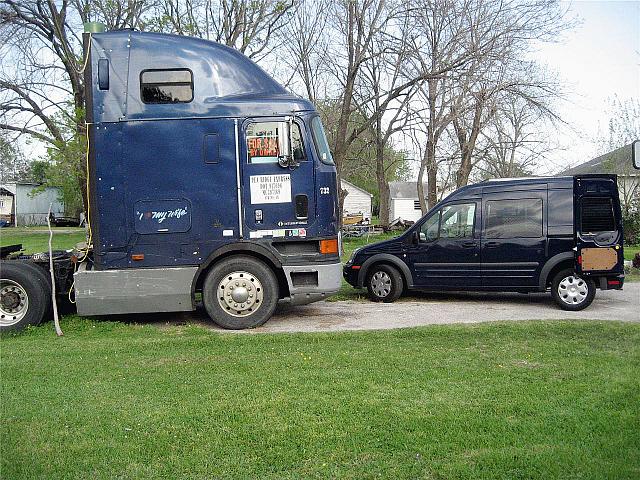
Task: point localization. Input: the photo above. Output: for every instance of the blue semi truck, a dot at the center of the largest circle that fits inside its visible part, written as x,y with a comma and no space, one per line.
206,180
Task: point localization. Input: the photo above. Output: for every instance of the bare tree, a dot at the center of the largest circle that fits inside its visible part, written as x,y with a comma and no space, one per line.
249,26
46,91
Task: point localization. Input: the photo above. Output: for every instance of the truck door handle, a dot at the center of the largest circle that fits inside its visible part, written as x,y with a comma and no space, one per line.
469,244
492,244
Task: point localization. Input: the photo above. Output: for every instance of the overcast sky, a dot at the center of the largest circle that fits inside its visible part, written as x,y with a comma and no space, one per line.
597,59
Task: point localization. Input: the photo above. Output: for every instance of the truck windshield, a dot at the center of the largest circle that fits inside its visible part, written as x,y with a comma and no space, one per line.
321,141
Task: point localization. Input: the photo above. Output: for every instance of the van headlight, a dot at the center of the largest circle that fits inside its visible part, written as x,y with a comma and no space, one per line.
353,254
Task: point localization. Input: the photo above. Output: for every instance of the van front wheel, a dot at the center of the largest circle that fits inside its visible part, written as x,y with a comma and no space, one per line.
384,283
572,292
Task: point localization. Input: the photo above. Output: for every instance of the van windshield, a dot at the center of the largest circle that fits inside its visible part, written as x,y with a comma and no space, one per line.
322,145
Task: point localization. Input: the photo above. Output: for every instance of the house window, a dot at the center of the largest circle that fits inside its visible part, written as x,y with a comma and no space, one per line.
416,205
514,218
166,86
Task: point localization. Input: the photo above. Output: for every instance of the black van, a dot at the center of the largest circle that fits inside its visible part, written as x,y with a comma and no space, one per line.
517,235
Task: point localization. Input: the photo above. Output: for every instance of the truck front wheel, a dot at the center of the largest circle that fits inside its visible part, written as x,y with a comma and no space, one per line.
240,292
24,295
572,292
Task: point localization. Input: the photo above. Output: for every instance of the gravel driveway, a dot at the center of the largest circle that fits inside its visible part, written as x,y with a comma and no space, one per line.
428,309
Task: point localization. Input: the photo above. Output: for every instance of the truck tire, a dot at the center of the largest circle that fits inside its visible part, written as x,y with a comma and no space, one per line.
24,295
384,283
240,292
571,292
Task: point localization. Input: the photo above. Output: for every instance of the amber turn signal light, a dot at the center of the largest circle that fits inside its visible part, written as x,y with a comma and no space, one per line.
329,246
137,256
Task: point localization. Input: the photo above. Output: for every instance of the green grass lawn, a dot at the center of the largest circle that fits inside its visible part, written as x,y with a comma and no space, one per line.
495,401
36,239
630,251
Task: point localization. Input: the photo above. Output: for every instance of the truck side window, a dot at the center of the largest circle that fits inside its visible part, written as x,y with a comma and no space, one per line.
521,218
264,140
166,86
596,215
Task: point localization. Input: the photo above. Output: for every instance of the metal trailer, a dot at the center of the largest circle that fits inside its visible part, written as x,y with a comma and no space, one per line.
206,178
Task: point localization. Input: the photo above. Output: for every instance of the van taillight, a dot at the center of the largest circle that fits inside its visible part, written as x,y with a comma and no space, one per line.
579,259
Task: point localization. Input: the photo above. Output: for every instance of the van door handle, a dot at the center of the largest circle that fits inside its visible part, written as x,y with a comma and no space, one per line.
492,244
469,244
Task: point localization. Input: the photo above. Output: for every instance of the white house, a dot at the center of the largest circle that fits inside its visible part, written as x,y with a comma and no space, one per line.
357,201
20,207
403,201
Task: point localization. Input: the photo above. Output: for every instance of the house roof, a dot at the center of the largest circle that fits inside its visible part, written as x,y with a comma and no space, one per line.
618,161
356,187
405,190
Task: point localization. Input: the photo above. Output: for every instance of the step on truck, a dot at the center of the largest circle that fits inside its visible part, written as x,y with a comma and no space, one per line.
207,182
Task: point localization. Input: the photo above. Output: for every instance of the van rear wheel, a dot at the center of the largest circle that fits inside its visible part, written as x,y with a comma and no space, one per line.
384,283
572,292
240,292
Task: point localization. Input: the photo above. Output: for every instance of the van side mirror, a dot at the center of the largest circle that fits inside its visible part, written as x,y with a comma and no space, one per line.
415,239
635,154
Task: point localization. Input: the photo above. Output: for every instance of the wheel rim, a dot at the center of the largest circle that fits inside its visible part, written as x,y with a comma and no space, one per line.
14,302
573,290
240,294
381,284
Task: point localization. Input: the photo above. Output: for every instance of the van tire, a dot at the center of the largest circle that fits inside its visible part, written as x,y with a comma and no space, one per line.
24,295
240,292
384,283
572,292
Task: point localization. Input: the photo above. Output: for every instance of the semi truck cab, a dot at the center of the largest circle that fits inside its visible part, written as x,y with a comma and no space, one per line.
206,178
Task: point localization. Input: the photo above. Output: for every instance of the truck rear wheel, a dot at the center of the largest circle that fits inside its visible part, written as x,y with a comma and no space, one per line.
240,292
572,292
24,295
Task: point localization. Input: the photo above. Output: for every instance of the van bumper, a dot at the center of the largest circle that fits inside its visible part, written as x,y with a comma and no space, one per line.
611,283
310,283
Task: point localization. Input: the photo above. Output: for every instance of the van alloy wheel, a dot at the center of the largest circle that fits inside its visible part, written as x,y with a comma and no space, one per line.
240,293
381,284
384,283
14,302
573,290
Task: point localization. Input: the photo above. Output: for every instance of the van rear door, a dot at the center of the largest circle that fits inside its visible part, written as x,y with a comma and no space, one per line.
598,226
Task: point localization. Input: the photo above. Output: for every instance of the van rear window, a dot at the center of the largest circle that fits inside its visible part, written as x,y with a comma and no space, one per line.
596,215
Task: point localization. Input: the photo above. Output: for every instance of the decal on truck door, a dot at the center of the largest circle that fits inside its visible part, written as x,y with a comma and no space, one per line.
270,189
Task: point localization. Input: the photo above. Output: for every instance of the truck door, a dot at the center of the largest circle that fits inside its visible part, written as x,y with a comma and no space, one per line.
513,242
278,201
598,225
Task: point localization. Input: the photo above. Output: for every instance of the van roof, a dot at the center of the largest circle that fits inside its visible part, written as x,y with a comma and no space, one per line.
502,184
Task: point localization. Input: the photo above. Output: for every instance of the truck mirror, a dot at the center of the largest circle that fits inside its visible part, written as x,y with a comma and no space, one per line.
284,140
635,154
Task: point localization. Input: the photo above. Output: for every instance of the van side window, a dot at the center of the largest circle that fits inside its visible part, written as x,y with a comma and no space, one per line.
596,215
451,221
166,86
264,141
520,218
